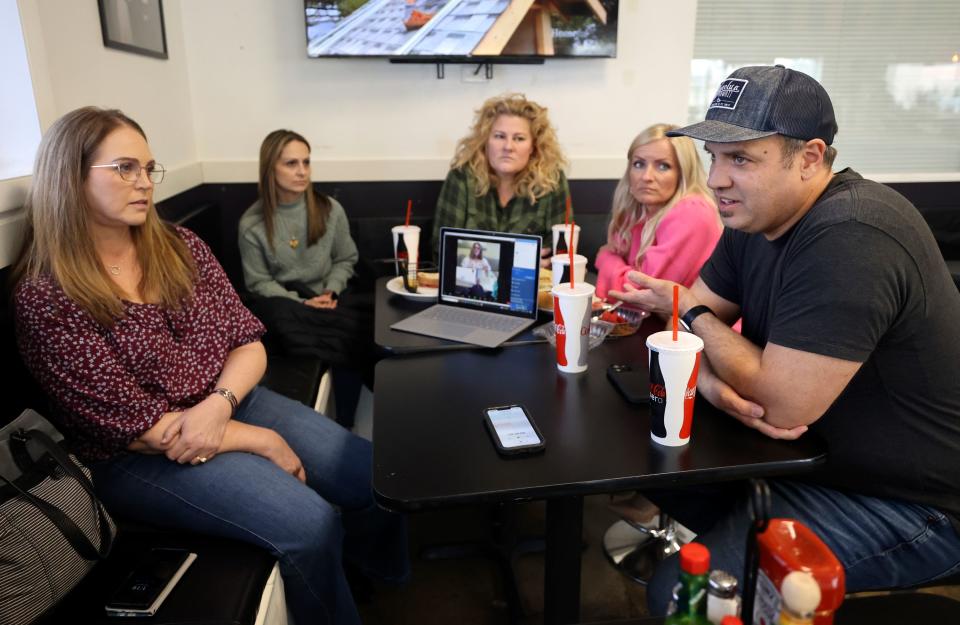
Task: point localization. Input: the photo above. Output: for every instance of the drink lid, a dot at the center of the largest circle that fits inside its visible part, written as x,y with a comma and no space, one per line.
581,289
695,559
663,342
564,259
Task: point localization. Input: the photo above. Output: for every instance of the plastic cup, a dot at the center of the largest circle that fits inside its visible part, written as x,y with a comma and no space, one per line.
560,268
411,239
673,385
571,318
565,229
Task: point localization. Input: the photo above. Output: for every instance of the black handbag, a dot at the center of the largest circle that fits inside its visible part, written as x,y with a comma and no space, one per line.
53,529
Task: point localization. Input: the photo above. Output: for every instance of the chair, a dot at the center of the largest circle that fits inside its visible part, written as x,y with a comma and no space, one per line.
635,549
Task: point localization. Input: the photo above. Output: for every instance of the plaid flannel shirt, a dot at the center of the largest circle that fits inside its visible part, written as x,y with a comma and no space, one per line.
459,207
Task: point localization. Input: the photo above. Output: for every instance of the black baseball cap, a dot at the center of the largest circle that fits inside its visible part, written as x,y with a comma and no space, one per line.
763,100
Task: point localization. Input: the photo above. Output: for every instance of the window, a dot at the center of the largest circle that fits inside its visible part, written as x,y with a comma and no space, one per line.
21,133
891,67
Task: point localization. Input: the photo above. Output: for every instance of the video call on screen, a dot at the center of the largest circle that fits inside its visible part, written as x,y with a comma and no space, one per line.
501,272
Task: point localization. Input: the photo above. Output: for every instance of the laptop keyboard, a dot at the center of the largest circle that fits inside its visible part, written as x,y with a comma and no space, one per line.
474,318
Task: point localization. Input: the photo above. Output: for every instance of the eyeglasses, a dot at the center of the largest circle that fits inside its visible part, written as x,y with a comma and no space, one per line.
130,170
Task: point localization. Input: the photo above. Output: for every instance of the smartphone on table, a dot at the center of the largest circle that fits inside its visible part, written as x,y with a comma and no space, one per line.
633,382
512,430
152,579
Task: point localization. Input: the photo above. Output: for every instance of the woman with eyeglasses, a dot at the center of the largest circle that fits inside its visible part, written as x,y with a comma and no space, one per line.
151,363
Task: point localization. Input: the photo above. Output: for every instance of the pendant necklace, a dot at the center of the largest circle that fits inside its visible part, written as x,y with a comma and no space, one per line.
114,270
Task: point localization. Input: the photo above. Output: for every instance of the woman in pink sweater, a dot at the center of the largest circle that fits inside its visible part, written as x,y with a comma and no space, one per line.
664,222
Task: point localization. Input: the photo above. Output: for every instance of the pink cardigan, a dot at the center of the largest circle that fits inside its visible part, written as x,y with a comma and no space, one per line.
684,241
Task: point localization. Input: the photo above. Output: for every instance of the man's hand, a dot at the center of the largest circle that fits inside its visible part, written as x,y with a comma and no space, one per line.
654,295
198,431
324,300
725,398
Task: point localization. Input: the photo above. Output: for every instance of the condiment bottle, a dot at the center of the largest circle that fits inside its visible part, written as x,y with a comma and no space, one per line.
691,592
800,595
561,244
789,545
722,598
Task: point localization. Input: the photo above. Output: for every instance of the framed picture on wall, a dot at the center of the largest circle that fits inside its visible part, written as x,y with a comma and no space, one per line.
134,26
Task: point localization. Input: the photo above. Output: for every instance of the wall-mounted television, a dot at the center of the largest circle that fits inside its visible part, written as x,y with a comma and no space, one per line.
484,30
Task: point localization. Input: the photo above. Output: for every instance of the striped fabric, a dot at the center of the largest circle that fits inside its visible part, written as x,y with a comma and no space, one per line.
38,565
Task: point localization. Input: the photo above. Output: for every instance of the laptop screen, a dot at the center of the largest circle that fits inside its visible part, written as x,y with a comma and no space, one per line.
494,271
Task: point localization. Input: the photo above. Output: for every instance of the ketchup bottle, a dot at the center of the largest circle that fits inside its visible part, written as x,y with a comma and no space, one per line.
789,545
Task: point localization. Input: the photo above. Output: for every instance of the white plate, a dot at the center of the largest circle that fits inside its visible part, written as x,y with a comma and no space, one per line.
395,285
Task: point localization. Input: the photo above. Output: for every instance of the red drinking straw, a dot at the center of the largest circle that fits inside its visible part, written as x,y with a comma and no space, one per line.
566,219
409,207
572,225
676,308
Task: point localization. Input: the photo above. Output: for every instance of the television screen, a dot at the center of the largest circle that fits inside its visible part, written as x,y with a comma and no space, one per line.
439,29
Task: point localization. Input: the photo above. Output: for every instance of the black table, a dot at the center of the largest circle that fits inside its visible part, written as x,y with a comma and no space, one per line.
431,448
391,308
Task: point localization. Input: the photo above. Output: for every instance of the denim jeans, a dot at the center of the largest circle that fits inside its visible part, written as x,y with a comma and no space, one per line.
881,543
311,528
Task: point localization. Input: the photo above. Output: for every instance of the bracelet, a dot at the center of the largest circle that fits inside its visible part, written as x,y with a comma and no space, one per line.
229,396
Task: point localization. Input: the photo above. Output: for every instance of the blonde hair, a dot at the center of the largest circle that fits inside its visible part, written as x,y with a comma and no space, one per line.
318,205
57,241
542,173
627,211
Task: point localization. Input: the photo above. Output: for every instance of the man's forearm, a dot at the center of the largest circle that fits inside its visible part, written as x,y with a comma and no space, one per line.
733,359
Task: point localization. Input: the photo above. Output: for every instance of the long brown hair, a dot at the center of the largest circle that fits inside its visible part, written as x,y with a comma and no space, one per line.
318,204
542,173
627,211
57,241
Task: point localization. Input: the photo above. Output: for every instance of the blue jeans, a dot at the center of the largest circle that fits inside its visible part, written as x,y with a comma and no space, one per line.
881,543
311,528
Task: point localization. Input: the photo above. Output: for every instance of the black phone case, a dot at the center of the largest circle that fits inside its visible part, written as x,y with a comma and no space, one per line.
633,382
152,574
514,451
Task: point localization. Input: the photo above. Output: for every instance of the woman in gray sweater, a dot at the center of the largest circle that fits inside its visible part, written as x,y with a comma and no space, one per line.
294,242
297,257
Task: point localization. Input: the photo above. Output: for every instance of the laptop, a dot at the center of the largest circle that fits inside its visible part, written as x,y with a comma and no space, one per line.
488,288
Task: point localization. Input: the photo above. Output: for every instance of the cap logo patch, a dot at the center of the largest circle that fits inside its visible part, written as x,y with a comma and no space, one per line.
728,94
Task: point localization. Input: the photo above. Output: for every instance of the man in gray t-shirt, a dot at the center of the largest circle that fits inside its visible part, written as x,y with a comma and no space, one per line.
851,328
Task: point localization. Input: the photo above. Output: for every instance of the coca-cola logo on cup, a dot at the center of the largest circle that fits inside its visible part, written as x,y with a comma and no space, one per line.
658,393
561,329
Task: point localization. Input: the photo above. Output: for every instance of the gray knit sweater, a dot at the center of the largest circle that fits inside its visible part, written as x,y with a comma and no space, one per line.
324,266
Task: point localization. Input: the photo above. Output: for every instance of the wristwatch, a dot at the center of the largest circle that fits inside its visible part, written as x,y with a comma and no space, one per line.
687,319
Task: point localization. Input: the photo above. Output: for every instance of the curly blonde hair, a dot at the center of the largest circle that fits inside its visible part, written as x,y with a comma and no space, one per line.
627,211
542,173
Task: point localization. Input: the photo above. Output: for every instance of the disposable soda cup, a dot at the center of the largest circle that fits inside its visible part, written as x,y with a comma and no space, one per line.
405,255
673,385
571,317
560,268
567,239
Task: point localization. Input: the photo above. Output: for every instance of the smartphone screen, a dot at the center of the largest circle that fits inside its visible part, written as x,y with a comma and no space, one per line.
512,427
151,576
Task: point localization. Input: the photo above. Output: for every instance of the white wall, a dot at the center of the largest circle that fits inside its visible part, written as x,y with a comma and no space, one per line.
370,120
238,69
70,68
